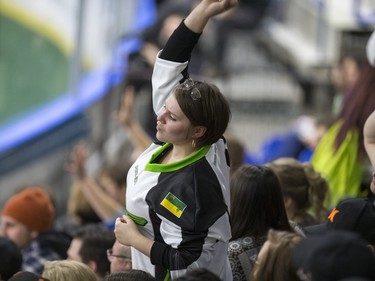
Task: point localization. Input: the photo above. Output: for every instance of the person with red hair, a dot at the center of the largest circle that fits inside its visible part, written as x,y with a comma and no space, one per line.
340,155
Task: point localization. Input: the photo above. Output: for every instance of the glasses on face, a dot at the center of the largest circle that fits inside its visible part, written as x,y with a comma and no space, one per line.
189,85
111,255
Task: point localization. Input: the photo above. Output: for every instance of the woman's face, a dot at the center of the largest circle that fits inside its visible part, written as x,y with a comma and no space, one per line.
172,124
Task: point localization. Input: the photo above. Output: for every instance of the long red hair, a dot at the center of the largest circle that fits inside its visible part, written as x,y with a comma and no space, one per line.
358,103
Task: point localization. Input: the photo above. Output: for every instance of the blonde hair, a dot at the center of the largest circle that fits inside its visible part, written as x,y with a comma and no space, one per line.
79,209
277,263
68,270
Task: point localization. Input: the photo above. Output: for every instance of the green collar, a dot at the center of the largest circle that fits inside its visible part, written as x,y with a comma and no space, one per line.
170,167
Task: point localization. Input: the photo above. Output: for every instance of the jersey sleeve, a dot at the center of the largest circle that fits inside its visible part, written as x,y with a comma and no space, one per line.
172,64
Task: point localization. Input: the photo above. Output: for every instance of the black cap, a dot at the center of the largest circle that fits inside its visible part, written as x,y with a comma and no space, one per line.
353,214
334,256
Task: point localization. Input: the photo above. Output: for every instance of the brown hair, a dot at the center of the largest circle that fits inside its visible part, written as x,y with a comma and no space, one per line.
303,184
256,202
95,240
211,110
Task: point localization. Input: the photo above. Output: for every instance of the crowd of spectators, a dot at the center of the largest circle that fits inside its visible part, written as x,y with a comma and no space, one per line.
187,204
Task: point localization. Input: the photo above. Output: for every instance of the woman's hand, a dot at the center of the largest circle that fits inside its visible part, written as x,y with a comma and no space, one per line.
216,7
127,233
206,9
126,230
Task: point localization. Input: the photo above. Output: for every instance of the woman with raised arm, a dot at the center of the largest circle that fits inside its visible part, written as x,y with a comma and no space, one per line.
178,189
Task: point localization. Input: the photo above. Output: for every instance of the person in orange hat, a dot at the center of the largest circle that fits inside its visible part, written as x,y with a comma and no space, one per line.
27,219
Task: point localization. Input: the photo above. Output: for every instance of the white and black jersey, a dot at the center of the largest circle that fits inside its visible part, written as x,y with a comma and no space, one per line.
182,206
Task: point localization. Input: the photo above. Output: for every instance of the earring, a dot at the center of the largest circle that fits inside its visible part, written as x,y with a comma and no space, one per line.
193,143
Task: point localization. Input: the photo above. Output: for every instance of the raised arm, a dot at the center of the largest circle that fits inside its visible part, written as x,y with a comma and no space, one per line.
103,204
369,138
172,62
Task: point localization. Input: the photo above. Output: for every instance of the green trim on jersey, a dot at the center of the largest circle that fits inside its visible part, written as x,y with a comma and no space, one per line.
162,168
167,276
138,220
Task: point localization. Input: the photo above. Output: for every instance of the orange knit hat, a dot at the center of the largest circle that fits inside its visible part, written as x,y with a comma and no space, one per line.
32,207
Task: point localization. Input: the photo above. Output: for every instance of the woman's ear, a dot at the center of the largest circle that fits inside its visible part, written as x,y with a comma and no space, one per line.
93,266
199,131
288,202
